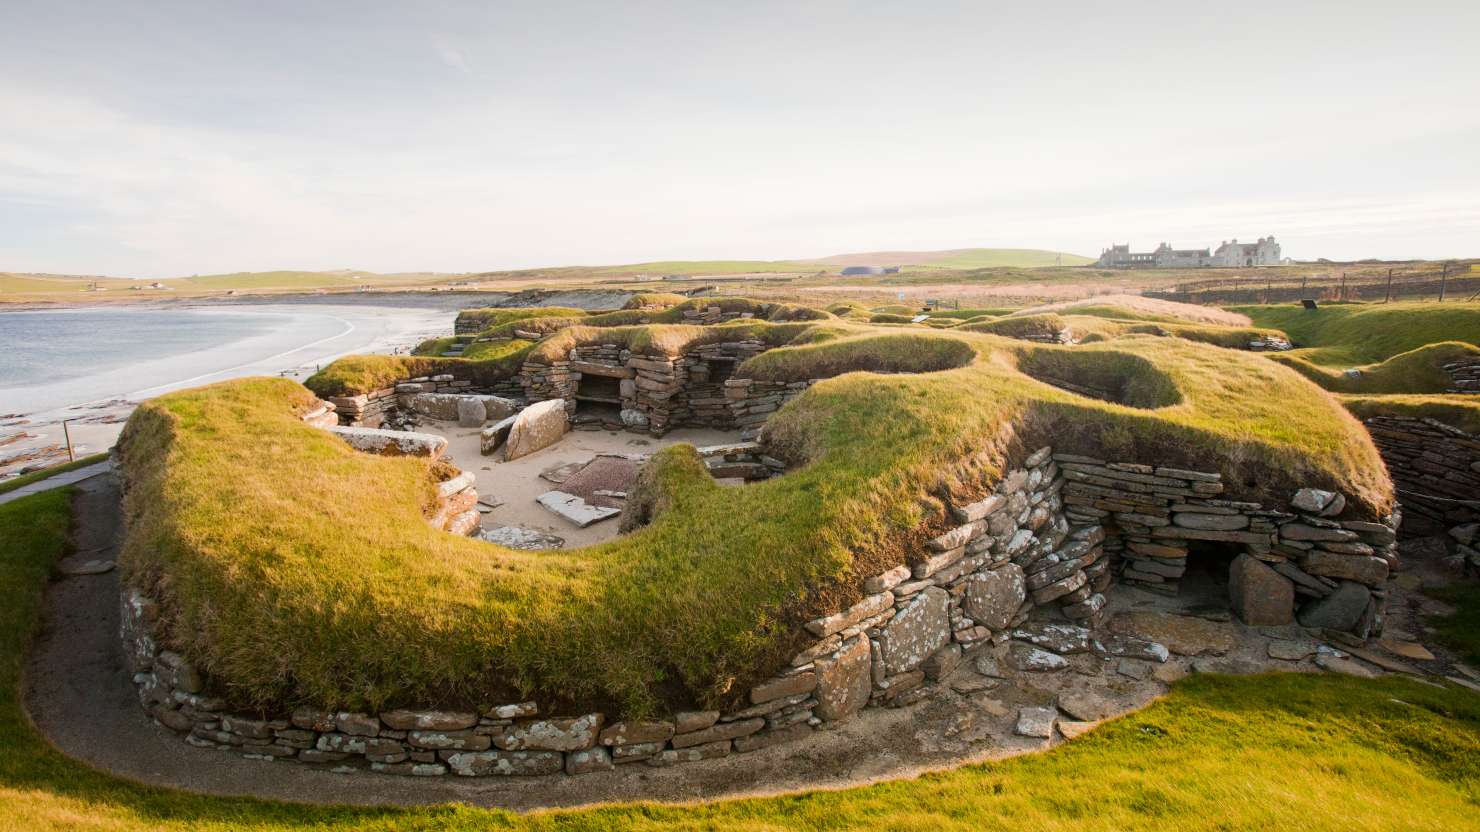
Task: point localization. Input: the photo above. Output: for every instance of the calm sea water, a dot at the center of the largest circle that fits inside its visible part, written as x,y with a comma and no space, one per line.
57,358
51,346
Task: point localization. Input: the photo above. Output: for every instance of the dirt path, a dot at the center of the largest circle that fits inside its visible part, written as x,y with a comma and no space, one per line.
79,693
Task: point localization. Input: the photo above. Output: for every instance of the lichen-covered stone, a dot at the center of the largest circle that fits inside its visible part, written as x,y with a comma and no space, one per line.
504,763
916,631
537,426
993,597
844,682
553,734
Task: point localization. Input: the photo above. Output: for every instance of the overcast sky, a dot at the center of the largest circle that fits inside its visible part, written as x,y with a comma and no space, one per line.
159,138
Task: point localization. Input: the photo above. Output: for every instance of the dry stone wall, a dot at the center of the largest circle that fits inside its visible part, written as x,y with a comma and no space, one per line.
1051,534
375,408
1436,469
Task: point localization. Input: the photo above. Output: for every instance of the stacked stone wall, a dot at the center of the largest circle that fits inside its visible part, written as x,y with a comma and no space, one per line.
376,407
1051,533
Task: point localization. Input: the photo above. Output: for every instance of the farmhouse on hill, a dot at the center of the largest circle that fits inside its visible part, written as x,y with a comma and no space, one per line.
1265,252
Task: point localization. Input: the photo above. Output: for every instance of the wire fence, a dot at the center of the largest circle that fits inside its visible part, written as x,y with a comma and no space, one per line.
1446,282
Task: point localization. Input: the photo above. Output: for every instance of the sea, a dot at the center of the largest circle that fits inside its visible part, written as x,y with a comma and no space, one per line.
52,359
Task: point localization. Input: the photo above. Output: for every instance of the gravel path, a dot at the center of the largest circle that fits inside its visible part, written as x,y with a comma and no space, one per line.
58,480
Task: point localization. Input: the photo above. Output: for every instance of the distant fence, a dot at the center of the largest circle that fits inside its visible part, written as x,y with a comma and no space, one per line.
1453,283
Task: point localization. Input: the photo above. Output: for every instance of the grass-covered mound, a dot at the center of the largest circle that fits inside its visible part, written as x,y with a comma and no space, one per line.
648,300
1137,308
1455,410
477,320
1357,334
1262,752
1395,347
297,571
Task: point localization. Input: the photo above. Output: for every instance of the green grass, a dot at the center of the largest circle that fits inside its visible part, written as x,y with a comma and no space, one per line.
496,316
37,476
330,590
1456,410
1265,752
269,280
1460,629
1357,334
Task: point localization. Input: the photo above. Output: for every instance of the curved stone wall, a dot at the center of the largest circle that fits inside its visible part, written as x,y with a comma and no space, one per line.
1054,533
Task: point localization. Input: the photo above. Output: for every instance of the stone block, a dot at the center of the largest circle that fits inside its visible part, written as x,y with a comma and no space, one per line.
844,682
1341,610
916,631
1360,568
536,427
553,734
993,597
503,763
1260,596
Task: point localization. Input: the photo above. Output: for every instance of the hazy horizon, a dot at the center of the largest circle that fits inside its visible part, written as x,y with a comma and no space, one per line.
167,139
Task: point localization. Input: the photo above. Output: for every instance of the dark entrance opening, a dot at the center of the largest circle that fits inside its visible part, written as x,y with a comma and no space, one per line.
598,400
599,389
1205,583
721,369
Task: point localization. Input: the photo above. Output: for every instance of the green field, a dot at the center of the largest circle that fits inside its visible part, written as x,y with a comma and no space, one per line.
1296,751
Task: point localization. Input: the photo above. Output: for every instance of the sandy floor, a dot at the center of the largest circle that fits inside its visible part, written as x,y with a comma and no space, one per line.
516,484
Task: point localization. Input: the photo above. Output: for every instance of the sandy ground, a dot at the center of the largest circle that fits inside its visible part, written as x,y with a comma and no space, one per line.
516,484
81,697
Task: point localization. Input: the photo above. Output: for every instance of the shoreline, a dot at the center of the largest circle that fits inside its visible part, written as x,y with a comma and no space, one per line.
36,437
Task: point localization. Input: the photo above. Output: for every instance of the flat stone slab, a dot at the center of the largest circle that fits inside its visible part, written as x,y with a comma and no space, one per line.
519,537
1183,635
1036,722
75,566
574,509
392,442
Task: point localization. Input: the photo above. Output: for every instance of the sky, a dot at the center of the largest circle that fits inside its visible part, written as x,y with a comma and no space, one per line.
157,139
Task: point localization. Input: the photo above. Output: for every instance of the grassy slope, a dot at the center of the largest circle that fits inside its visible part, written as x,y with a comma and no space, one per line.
36,476
1399,347
1347,335
1271,752
1460,411
704,600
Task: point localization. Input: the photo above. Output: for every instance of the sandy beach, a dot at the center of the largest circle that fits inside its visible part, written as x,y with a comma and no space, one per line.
95,394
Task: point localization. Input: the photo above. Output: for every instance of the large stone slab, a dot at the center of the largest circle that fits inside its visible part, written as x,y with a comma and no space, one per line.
445,406
507,763
538,426
1341,610
1183,635
392,442
470,413
494,435
519,537
992,598
574,509
916,631
1260,596
844,682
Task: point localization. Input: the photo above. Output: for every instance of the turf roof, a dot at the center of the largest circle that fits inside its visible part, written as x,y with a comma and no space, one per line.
307,575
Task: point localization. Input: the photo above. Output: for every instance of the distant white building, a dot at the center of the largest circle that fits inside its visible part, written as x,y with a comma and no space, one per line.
1266,252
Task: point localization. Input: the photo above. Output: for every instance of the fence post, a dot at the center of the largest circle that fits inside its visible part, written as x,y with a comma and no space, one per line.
1389,295
71,454
1443,279
1341,292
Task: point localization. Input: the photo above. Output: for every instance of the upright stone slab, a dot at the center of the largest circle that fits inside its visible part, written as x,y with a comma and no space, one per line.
470,412
392,442
916,631
844,682
1260,596
1341,610
993,598
537,426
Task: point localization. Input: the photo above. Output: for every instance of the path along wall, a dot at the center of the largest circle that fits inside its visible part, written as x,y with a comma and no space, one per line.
1048,540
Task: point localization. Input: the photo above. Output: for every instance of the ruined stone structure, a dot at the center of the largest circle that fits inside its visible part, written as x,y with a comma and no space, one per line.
1266,252
1052,535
